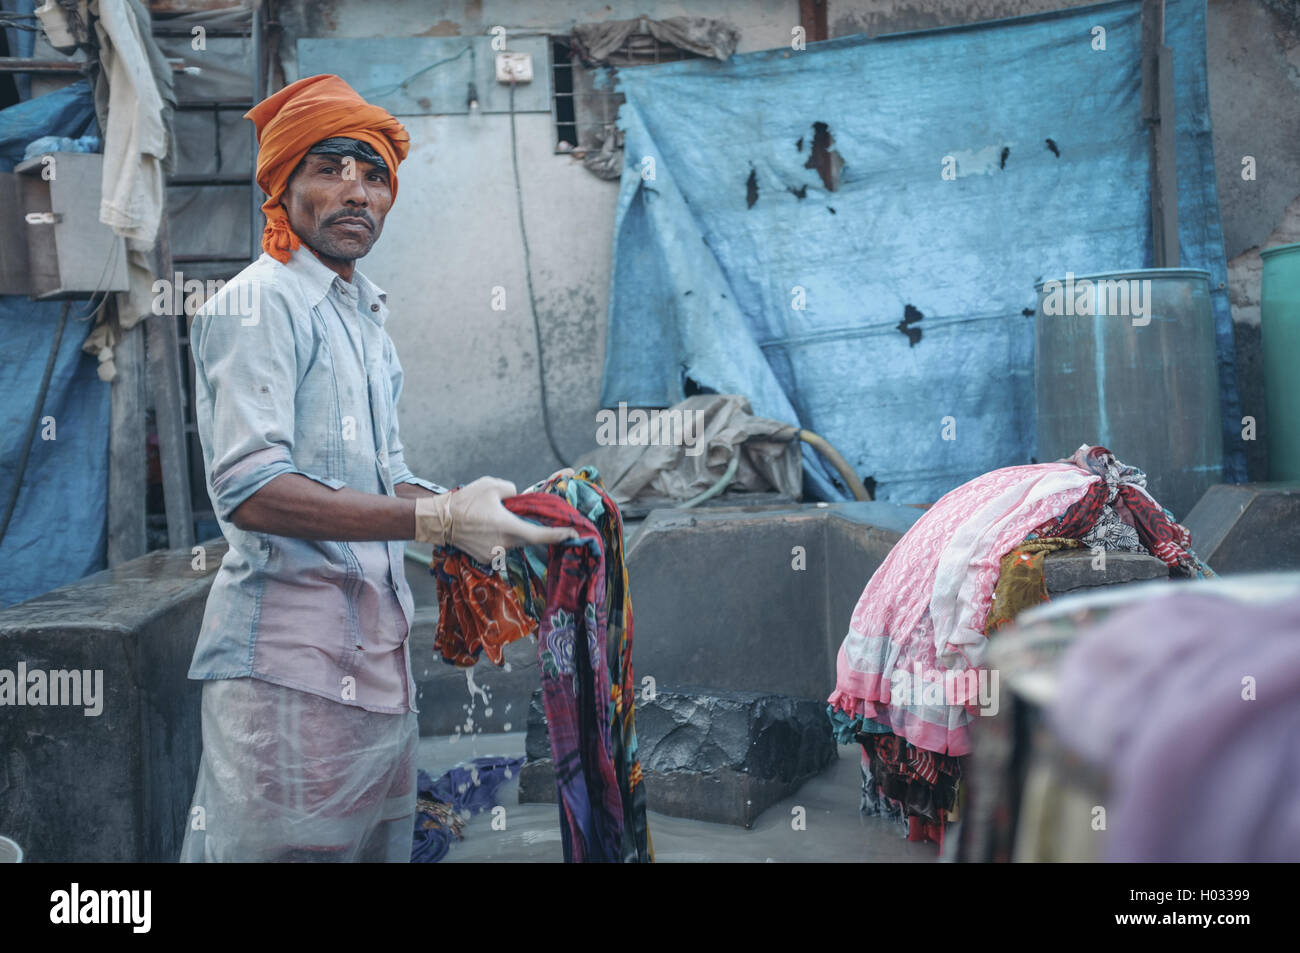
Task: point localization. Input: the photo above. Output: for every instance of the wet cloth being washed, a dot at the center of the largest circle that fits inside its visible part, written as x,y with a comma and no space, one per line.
575,596
443,806
586,494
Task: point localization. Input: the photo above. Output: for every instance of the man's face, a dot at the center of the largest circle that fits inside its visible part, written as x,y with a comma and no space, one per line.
337,205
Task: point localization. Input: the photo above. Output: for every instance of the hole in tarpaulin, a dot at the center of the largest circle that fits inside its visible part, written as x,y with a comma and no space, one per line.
691,387
823,158
911,315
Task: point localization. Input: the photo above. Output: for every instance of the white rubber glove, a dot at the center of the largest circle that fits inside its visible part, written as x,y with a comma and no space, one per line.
473,519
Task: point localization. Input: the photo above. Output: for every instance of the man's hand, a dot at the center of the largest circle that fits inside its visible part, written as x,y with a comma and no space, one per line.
473,519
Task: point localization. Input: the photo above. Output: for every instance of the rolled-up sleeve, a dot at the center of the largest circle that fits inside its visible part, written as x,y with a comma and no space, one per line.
396,457
248,375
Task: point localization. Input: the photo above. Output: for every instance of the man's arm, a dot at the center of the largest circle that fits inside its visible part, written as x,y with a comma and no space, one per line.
294,505
412,492
252,372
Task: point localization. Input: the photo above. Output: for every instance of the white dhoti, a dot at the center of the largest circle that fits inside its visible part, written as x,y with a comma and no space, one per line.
291,776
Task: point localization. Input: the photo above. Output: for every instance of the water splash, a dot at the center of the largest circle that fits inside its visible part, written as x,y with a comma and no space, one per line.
475,689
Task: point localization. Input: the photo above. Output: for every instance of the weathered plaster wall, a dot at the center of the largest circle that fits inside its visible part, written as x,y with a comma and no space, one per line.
471,404
1254,58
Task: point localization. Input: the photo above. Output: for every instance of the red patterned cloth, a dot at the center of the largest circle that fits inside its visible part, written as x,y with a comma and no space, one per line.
477,611
904,781
480,612
1124,487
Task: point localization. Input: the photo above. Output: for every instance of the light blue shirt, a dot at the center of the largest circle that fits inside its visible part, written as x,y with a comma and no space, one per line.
296,374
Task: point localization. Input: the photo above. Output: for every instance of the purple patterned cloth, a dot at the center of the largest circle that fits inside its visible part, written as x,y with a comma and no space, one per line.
465,790
1190,703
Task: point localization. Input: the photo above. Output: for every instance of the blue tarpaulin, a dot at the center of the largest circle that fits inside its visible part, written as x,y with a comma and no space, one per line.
57,532
738,270
68,111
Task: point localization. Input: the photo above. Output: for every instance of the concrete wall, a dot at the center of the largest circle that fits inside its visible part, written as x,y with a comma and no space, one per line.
472,403
114,783
1254,58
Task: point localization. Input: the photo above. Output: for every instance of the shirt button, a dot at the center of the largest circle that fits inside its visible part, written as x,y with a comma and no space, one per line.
374,307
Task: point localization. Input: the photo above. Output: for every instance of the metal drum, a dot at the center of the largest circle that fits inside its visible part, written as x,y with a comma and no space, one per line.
1127,360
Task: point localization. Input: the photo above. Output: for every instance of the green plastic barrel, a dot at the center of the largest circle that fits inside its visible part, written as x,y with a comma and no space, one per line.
1279,319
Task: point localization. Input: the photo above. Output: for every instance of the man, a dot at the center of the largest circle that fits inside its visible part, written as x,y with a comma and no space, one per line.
309,722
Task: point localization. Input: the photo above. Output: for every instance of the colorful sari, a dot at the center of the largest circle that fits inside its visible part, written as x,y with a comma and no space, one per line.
575,596
921,618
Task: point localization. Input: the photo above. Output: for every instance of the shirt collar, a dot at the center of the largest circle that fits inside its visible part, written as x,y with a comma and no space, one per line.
319,278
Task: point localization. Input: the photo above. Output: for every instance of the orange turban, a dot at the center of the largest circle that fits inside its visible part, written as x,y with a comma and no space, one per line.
295,119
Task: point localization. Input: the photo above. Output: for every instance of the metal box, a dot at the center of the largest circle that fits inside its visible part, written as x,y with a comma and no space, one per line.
52,243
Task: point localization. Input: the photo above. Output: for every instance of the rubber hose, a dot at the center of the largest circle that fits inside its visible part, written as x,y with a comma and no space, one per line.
822,446
722,483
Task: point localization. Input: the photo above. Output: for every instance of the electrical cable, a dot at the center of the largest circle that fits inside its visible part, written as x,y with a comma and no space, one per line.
14,21
528,274
394,87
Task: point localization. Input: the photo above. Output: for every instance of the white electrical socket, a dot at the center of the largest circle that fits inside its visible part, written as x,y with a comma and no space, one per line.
514,68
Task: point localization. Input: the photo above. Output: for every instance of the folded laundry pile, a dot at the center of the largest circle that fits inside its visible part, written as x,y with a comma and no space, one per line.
911,666
574,596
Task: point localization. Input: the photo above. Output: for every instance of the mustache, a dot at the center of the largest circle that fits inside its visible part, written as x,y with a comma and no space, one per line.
357,215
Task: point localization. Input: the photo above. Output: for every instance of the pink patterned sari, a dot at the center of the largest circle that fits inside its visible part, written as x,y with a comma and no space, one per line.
923,612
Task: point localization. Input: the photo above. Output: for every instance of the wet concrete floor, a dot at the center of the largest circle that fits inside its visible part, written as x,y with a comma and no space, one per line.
835,831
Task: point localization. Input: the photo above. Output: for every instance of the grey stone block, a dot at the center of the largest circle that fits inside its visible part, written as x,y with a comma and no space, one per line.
1070,570
718,599
712,756
1247,527
116,786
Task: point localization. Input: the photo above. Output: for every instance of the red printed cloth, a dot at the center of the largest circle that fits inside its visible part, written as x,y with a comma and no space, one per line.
480,612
